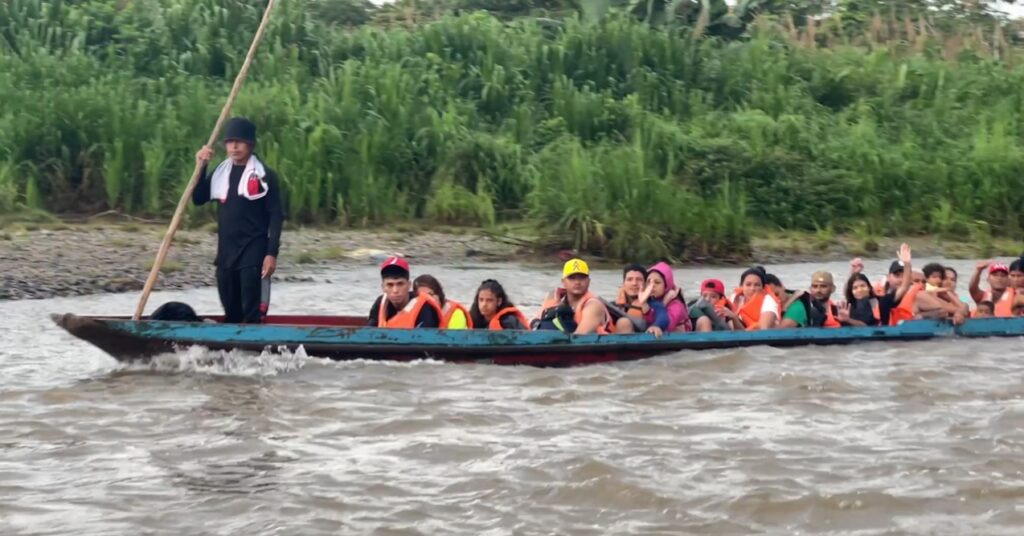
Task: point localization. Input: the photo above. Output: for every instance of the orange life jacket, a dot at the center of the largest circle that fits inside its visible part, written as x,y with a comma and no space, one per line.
750,311
905,309
830,319
495,323
450,308
406,318
556,298
1003,307
622,302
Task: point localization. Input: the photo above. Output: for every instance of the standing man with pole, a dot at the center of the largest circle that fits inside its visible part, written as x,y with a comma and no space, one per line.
249,220
179,211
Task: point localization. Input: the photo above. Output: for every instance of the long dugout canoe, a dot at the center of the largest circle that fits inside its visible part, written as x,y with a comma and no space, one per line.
344,337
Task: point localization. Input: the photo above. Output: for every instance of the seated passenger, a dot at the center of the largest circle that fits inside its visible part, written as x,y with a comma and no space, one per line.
985,310
774,285
754,307
815,308
399,307
709,311
1000,292
588,312
674,300
950,281
627,311
493,310
1017,275
937,301
861,307
453,314
662,293
896,302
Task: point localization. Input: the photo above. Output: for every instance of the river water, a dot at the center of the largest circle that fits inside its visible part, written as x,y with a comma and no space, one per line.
914,438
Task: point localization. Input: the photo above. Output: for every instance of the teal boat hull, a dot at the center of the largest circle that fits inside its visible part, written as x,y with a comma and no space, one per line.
344,338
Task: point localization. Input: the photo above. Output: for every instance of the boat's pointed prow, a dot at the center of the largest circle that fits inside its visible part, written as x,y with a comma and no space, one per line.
114,336
73,323
61,320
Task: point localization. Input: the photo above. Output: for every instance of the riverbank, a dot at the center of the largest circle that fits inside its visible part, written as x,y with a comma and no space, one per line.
60,259
45,261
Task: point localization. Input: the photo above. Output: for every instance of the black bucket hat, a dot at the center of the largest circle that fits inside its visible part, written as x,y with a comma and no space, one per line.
240,129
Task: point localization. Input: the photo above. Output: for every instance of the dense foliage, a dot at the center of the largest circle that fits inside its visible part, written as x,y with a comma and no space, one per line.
612,134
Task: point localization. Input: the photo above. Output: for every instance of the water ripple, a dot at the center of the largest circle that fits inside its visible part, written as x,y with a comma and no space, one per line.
921,438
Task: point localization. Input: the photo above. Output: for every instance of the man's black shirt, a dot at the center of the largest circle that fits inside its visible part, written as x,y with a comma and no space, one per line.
247,230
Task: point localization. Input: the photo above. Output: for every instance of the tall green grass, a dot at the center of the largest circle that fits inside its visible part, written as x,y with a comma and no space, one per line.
612,136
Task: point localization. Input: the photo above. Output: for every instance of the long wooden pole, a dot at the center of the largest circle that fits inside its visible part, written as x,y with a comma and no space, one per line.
161,254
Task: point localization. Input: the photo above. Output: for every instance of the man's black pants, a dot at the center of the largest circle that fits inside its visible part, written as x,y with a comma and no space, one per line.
239,291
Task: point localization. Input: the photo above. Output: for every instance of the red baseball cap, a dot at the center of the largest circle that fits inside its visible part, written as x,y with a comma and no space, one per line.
998,267
394,266
713,284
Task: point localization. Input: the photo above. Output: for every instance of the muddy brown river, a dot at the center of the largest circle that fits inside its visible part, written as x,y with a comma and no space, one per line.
911,438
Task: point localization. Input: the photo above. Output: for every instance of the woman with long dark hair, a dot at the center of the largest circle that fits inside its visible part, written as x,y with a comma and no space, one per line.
861,307
756,306
492,309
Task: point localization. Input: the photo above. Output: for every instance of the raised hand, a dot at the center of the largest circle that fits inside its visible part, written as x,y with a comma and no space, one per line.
904,254
982,265
646,293
844,313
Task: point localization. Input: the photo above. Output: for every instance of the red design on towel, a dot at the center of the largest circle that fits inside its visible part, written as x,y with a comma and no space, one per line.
254,185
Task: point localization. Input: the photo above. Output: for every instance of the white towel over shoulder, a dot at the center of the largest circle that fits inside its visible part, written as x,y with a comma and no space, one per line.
221,179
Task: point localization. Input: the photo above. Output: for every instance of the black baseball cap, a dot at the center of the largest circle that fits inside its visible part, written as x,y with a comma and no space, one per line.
896,267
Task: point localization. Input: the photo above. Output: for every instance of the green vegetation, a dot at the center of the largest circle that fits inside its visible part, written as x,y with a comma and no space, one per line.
627,128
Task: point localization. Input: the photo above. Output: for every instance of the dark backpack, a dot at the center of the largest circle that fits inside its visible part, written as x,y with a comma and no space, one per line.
560,317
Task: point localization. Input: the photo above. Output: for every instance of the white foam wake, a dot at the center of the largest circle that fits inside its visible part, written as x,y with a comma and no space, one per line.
200,360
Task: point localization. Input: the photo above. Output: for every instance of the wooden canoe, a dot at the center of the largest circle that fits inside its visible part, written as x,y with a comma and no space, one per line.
342,337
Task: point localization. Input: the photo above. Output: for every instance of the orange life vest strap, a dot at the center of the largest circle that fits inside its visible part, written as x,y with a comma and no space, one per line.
622,301
750,312
905,309
406,318
551,300
1004,307
830,319
495,323
604,329
450,308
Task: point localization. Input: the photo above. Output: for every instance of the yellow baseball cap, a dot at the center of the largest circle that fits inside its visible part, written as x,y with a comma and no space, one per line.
575,266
